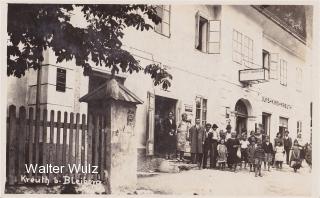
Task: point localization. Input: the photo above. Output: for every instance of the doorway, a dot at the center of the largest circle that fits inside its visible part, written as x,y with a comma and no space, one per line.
266,118
163,106
283,125
241,117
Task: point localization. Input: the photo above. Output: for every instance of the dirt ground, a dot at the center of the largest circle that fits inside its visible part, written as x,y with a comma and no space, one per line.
225,183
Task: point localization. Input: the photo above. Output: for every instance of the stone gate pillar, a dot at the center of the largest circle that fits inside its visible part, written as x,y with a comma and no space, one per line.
118,104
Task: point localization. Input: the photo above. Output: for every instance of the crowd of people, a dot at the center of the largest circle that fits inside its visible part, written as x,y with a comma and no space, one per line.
227,149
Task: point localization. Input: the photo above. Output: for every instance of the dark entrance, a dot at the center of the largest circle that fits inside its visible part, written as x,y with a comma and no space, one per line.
283,125
241,116
266,123
163,106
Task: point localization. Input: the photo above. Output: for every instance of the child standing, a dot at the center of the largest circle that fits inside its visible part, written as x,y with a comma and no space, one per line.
268,150
222,154
232,146
258,158
244,147
250,151
279,155
295,160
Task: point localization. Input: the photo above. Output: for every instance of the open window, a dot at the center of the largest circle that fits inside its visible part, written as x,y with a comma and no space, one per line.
207,37
266,60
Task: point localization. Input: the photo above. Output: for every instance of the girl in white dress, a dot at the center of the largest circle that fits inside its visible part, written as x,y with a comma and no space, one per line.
279,156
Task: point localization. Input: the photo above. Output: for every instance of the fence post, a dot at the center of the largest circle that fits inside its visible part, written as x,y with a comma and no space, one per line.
51,147
95,143
64,146
12,144
36,141
77,142
102,147
83,141
89,142
30,140
45,152
58,147
21,133
71,141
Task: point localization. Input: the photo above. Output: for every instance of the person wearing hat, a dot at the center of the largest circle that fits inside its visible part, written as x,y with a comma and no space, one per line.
228,132
207,147
287,143
197,137
301,144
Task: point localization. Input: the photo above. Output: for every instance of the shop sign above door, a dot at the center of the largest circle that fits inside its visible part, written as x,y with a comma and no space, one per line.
253,75
276,102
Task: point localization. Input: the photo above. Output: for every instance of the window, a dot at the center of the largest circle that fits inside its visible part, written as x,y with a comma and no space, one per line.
201,109
207,37
265,60
202,37
299,79
299,127
274,61
283,125
247,51
283,72
163,11
237,47
61,80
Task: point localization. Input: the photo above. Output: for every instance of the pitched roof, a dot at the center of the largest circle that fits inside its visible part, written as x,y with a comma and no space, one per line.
111,90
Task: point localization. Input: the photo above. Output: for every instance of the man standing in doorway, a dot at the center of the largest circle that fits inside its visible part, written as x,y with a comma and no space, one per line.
287,143
197,137
169,128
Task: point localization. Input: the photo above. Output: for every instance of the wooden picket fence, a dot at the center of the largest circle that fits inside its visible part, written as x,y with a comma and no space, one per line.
33,138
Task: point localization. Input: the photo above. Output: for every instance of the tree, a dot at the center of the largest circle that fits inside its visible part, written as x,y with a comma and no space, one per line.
33,28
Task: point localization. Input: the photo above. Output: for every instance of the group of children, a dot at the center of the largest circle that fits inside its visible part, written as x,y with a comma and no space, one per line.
255,152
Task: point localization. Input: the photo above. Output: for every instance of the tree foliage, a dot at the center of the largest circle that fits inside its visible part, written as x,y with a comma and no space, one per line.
33,28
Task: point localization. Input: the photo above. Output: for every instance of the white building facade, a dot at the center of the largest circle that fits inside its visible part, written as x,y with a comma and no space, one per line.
204,47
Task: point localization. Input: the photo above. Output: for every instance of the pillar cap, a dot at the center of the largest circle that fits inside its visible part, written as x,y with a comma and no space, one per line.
111,89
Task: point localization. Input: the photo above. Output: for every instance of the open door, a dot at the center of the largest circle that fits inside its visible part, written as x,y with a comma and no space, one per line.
150,129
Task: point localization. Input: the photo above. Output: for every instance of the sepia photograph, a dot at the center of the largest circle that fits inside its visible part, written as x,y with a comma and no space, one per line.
180,98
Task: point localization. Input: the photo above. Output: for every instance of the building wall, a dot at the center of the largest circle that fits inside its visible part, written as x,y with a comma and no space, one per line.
212,76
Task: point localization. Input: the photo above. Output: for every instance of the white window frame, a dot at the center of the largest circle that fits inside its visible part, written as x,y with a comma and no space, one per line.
203,109
212,35
165,9
299,126
283,72
237,46
247,51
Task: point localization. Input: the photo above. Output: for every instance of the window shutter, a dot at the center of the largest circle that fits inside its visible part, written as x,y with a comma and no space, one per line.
61,80
214,37
150,135
197,30
274,61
